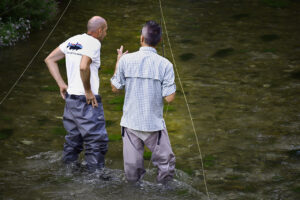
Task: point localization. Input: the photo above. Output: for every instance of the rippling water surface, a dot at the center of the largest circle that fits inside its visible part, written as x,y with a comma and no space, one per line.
239,62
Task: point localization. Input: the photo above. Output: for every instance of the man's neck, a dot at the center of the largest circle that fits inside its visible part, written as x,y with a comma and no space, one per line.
146,45
93,35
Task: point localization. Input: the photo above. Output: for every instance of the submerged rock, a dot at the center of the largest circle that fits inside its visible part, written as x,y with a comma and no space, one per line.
240,16
27,142
187,56
294,153
295,75
224,52
187,41
269,37
5,133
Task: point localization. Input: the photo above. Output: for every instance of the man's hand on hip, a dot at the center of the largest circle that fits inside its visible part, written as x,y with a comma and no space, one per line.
63,90
91,99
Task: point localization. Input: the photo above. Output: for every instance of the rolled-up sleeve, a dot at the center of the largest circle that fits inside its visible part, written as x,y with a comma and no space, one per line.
118,80
168,85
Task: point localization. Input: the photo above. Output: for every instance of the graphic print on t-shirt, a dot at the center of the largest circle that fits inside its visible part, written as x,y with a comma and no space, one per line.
76,46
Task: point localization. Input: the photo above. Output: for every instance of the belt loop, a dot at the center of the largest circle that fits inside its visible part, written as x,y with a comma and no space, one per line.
159,136
122,131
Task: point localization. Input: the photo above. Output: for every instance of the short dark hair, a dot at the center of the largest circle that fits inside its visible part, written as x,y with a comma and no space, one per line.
152,33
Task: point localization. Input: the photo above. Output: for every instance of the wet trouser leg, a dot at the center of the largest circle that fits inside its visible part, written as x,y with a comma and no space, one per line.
91,125
74,141
133,152
162,155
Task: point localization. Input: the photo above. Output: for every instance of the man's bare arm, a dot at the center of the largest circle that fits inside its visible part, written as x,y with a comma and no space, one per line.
113,88
170,98
85,74
120,54
51,62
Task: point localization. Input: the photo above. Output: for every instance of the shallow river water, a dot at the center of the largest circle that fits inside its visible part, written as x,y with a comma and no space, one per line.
239,62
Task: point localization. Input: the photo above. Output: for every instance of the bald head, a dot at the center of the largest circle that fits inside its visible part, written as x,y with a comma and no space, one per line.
95,23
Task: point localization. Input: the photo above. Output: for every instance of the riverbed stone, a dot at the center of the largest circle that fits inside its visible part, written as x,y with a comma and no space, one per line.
5,133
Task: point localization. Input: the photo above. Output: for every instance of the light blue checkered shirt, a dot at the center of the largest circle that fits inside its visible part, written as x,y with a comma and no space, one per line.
147,77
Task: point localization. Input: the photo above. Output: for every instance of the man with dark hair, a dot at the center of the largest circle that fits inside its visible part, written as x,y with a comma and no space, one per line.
148,78
83,115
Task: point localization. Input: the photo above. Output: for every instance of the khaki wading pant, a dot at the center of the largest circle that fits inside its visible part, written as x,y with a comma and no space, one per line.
162,155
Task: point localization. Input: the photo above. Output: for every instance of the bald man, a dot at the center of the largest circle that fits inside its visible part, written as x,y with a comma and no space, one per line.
83,114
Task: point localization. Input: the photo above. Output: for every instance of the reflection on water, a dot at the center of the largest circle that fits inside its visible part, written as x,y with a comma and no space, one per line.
239,63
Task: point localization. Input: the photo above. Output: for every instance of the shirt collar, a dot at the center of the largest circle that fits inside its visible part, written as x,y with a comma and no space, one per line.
148,49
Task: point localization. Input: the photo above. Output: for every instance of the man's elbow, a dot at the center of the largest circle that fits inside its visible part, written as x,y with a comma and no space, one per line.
83,68
47,60
170,98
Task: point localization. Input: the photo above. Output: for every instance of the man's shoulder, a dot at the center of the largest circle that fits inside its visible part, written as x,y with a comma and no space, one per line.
129,56
138,54
74,37
85,38
165,60
132,54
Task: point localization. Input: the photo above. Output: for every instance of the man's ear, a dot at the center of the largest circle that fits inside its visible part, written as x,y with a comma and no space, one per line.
142,39
100,30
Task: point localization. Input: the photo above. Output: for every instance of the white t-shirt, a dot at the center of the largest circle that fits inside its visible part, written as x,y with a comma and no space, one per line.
73,49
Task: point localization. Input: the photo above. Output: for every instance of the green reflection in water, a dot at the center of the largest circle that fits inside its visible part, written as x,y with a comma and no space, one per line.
147,155
117,100
114,137
169,108
109,123
209,161
108,71
60,131
276,3
49,88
